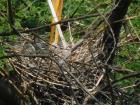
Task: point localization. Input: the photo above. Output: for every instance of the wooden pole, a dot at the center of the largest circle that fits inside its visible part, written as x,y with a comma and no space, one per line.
54,36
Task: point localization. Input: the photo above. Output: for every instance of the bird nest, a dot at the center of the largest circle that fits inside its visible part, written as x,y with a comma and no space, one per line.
56,76
51,75
45,74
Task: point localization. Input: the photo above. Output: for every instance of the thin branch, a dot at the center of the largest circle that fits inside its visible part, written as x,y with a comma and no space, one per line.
136,74
48,25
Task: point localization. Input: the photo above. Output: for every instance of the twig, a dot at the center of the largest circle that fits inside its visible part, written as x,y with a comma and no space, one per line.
48,25
136,74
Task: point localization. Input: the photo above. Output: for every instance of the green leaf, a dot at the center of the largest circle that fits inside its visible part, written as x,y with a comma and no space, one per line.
2,52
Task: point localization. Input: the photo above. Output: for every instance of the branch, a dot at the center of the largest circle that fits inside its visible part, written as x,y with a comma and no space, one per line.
23,55
48,25
137,74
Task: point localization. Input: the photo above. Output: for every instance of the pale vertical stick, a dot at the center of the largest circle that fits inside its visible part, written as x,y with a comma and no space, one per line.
53,28
71,38
58,25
